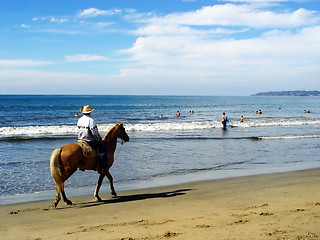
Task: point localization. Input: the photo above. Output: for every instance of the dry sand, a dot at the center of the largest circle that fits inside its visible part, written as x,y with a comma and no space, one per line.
272,206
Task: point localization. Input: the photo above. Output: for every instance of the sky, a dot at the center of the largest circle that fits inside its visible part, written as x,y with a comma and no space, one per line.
159,47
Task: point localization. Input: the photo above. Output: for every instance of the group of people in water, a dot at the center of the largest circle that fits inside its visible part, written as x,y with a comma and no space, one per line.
178,114
224,118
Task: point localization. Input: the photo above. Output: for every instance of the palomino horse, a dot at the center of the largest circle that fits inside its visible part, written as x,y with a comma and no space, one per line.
64,161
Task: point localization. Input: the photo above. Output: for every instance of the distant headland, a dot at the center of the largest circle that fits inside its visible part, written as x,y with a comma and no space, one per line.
298,93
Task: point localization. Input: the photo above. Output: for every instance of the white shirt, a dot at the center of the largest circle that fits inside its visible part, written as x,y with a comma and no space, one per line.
87,129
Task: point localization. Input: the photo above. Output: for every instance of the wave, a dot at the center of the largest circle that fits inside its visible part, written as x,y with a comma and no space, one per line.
288,137
67,131
254,138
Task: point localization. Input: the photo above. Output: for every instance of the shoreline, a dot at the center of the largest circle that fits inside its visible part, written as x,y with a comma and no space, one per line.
166,181
267,206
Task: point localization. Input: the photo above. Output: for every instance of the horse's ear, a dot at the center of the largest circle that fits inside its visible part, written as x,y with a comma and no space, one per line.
122,123
117,122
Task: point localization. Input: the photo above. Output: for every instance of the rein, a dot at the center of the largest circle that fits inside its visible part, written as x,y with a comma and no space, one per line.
122,142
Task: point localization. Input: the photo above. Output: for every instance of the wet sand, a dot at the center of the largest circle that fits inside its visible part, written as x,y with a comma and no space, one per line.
272,206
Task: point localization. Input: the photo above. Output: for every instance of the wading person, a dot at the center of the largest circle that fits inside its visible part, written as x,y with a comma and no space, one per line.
224,121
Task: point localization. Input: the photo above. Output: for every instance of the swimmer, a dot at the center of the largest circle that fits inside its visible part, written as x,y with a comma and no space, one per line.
178,113
241,119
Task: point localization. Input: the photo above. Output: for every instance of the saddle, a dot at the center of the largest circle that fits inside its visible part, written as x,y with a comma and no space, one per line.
88,152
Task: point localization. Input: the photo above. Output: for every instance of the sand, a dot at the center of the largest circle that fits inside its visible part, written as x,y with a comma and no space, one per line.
272,206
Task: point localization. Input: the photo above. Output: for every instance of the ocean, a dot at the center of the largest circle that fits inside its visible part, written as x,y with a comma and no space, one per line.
166,151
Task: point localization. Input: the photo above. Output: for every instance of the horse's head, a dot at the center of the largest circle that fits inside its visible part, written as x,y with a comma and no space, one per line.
117,131
122,132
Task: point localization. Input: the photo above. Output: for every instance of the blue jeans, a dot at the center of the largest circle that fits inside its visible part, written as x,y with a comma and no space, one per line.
103,153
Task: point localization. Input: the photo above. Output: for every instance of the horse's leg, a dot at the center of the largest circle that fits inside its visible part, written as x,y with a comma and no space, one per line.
113,192
96,192
57,200
64,197
60,189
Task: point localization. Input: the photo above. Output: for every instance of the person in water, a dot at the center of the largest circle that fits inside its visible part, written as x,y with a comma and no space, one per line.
178,113
241,119
88,132
224,120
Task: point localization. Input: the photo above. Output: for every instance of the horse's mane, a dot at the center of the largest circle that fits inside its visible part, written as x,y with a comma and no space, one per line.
108,135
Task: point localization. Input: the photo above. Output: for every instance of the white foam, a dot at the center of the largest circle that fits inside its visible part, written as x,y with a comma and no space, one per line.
37,131
65,130
176,126
290,137
276,122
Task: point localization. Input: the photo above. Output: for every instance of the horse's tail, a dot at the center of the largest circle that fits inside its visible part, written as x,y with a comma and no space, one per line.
56,167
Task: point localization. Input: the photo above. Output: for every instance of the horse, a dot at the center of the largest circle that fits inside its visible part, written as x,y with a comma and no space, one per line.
64,161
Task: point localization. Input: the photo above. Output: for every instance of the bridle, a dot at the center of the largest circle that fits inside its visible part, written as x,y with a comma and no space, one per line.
121,142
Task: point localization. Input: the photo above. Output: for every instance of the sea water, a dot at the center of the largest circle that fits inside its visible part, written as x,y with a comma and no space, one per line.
161,152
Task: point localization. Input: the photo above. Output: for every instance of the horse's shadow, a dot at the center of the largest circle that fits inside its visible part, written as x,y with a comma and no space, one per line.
134,197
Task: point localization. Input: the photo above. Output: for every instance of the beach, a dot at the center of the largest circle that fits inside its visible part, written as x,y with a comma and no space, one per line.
268,206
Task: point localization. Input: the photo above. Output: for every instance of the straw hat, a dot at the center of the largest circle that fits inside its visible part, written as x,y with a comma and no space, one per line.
86,109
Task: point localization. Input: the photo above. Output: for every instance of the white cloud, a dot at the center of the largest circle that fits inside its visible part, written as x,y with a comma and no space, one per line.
255,1
195,50
93,12
158,29
57,20
275,58
84,58
4,63
25,26
239,15
104,24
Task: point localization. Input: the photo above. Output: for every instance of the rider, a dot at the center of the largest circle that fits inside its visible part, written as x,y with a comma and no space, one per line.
88,132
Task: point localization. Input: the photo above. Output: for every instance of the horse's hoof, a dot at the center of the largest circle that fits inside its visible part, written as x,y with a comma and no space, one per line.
99,199
68,202
114,194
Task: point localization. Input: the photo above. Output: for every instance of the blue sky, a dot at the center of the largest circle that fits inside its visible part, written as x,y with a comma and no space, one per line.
166,47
